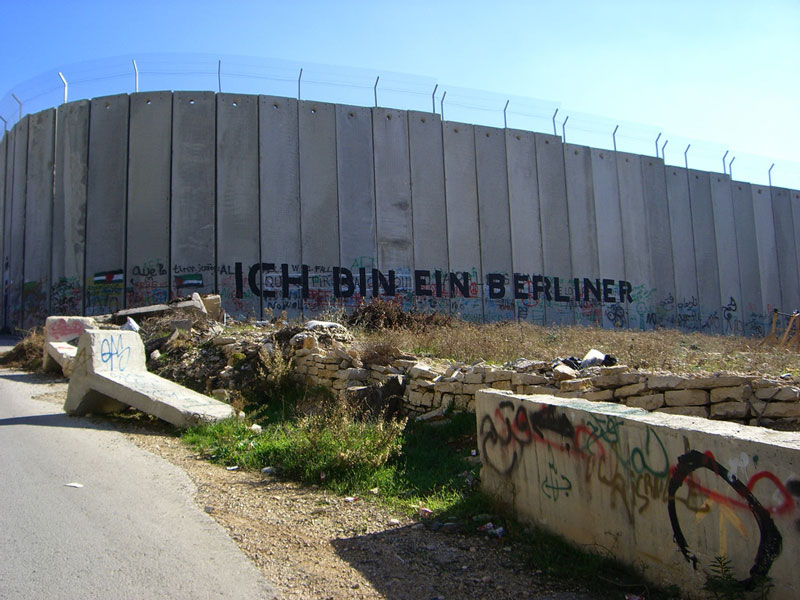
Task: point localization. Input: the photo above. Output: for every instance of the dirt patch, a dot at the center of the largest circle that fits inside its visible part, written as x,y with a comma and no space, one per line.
315,545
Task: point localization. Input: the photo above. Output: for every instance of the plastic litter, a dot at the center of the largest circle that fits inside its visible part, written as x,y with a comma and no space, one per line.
73,485
255,428
351,499
269,470
595,358
130,325
236,468
425,512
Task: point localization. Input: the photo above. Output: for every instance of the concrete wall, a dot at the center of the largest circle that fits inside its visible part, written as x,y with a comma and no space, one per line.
672,492
280,205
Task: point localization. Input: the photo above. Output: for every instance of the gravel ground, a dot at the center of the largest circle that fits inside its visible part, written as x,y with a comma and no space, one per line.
315,545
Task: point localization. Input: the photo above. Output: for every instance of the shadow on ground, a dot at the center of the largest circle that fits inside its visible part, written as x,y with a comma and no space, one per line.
408,563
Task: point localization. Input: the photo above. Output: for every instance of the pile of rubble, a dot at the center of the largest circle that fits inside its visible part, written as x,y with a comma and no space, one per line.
187,343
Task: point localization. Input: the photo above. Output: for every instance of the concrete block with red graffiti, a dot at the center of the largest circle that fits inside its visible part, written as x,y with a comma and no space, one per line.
668,493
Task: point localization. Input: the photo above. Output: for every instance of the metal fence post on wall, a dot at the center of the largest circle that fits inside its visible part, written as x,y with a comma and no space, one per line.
662,151
564,130
433,99
554,123
219,75
5,124
614,137
657,138
685,157
723,161
730,167
60,74
299,77
505,121
135,76
375,90
441,104
769,174
13,95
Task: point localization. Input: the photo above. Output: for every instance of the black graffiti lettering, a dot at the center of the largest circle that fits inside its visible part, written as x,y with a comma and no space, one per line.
420,281
559,296
239,282
252,281
379,281
520,279
625,289
547,420
607,291
547,289
286,280
438,284
771,542
342,276
496,282
462,285
593,289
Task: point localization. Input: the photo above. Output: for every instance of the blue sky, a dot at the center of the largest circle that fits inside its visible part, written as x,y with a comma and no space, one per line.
719,75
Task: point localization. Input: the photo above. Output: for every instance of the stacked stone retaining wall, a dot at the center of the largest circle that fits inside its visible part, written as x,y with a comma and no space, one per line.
435,387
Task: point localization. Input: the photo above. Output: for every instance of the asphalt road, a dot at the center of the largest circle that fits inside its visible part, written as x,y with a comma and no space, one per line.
132,530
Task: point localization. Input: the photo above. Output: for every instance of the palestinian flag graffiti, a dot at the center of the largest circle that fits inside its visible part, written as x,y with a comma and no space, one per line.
106,277
192,280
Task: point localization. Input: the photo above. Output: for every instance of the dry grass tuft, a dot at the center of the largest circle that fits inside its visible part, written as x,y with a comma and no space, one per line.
27,354
660,350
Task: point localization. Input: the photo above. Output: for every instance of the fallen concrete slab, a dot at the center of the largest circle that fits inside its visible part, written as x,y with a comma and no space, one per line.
58,332
109,374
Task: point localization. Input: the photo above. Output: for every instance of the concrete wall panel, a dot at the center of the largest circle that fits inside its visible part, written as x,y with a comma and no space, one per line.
555,228
280,202
193,193
705,248
794,201
8,256
394,213
680,220
730,289
319,201
767,253
752,306
495,223
69,208
105,204
356,183
238,245
785,244
16,226
149,166
463,227
429,211
635,242
610,249
583,230
38,218
526,233
3,205
659,236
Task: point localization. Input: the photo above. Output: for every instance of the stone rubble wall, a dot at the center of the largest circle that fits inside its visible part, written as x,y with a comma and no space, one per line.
434,389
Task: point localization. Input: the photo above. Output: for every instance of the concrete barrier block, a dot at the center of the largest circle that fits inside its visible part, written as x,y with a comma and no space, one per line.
109,374
665,492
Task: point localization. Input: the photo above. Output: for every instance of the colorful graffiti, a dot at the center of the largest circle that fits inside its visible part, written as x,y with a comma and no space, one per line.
639,474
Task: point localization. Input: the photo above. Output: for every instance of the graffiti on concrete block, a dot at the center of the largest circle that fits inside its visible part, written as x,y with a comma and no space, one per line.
769,545
104,292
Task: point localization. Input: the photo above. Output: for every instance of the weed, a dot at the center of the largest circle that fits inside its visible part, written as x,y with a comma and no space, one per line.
723,585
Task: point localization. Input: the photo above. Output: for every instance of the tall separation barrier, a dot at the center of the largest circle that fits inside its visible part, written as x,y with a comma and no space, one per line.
298,206
674,496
